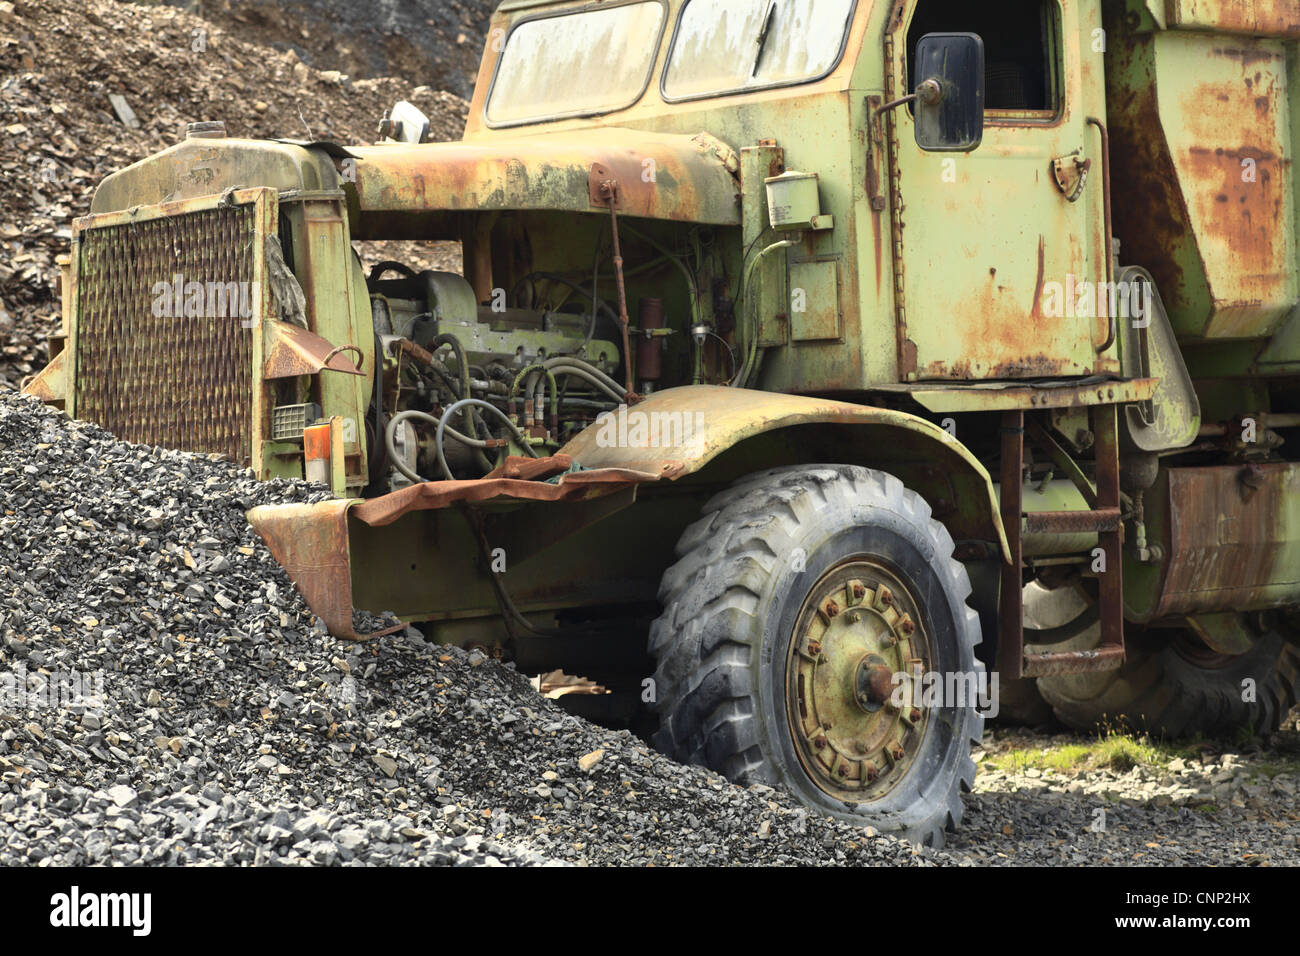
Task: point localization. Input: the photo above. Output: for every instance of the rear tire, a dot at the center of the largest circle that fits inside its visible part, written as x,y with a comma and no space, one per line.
1171,687
780,563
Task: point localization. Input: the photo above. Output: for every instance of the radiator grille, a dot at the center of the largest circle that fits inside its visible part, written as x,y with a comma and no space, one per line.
178,380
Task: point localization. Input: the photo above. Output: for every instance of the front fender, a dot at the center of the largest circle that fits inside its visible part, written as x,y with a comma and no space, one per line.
680,432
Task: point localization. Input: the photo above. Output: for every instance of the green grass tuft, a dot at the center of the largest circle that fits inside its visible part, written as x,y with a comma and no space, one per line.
1110,751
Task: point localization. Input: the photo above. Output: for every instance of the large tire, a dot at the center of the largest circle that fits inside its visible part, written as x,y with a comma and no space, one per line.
732,647
1172,687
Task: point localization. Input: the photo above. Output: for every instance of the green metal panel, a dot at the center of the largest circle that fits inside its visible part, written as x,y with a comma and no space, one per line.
338,309
1205,191
815,300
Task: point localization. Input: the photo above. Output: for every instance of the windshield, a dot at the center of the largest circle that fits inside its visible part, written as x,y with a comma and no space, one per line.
579,64
725,46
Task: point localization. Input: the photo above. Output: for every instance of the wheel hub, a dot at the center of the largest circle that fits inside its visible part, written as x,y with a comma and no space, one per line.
855,658
873,683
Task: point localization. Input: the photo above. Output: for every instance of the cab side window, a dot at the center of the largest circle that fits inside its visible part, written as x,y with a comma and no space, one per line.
1021,48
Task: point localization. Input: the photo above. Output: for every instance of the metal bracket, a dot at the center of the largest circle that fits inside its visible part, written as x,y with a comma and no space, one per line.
1071,175
600,194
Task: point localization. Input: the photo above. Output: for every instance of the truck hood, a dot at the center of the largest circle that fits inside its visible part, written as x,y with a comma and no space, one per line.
660,176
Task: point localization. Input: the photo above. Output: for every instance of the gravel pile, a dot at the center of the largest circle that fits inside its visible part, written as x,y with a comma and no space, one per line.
217,721
203,715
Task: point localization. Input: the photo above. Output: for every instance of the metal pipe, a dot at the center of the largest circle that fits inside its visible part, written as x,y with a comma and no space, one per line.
649,351
428,358
1110,230
1265,420
610,189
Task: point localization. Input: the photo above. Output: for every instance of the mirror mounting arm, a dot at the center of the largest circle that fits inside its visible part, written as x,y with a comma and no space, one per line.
929,91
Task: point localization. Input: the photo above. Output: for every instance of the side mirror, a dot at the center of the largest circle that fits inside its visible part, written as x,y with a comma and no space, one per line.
949,92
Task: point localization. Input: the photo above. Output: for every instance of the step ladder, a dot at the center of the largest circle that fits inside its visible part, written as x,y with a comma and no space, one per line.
1104,519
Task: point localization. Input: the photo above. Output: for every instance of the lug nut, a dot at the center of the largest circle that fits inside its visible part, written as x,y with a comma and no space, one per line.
831,608
819,743
906,625
915,715
897,752
872,773
885,597
859,591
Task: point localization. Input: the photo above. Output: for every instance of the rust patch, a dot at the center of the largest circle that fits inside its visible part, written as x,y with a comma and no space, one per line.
660,176
1243,56
1036,309
1261,17
311,543
906,356
1150,220
294,351
876,240
433,495
1226,540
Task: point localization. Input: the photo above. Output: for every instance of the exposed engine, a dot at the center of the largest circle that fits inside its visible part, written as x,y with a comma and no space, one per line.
460,383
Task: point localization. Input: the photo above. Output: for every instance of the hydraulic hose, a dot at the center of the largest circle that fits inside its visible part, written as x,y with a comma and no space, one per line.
390,440
592,371
462,363
390,436
465,402
555,391
615,393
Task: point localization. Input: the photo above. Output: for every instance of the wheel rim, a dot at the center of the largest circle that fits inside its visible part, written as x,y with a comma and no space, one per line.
853,696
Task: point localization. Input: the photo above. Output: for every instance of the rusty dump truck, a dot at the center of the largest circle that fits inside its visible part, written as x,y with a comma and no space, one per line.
818,377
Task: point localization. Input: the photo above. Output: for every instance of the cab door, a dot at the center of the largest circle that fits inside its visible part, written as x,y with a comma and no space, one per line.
999,262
